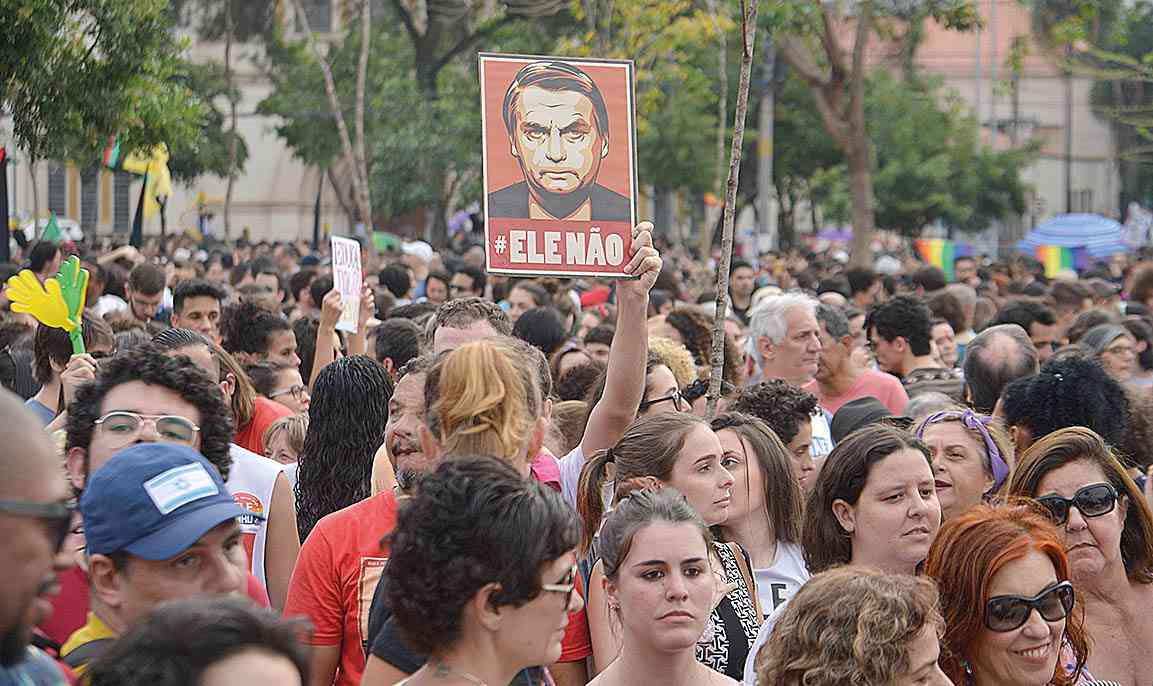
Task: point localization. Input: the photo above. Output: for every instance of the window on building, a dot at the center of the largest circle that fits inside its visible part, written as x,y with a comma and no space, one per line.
122,202
57,189
90,199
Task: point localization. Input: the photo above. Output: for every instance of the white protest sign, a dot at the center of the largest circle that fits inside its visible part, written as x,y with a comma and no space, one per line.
348,280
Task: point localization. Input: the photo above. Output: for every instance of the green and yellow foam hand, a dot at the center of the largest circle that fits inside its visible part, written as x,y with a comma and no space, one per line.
58,303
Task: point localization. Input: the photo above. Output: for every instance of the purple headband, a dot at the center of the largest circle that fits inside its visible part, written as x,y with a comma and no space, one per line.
978,423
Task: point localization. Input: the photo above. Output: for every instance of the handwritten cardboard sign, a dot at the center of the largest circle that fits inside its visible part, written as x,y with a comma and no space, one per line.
348,279
560,169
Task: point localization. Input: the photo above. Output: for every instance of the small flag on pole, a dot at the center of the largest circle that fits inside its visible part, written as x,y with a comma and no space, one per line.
52,231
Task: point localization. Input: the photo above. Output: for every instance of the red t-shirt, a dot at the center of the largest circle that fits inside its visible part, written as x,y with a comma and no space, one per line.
251,435
336,574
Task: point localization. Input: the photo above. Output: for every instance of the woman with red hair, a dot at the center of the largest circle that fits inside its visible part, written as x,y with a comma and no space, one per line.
1007,600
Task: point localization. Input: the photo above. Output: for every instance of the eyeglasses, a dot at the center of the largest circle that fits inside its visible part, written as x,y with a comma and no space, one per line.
1121,350
455,288
677,399
1093,500
297,392
1008,612
568,587
168,428
57,517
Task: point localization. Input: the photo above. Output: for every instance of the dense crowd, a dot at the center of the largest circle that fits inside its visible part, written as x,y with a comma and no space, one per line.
907,479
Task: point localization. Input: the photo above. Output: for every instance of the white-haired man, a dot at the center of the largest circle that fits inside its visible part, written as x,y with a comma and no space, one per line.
785,342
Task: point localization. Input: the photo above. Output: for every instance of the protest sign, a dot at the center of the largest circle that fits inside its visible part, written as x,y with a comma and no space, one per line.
348,280
559,155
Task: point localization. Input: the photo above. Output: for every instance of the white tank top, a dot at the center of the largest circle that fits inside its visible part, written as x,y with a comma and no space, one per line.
250,481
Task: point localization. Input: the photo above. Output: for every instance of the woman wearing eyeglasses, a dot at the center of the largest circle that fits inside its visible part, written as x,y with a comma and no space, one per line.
971,458
482,575
1107,532
280,383
1007,600
680,451
1115,348
660,587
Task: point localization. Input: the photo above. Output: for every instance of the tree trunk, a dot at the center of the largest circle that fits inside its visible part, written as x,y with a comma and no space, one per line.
232,115
35,199
861,183
748,36
361,197
365,198
712,212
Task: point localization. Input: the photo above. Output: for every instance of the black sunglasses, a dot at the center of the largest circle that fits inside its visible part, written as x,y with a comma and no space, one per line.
1008,612
1093,500
57,516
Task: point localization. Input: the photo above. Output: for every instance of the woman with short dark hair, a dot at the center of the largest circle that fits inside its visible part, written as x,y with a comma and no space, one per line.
482,573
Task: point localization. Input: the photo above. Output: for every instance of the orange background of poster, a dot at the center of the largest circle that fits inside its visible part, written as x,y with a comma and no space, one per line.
613,82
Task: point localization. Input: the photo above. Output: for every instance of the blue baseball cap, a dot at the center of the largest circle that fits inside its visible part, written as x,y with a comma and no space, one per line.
154,501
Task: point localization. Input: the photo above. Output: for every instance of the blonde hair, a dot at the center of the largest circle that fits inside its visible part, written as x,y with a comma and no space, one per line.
294,427
484,399
677,358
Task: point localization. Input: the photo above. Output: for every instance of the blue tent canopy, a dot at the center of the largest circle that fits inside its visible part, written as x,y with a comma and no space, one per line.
1100,236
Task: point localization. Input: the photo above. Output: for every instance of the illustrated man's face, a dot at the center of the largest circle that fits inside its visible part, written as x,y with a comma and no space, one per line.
557,140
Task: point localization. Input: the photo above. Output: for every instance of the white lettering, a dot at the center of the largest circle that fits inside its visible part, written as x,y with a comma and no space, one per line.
574,247
615,246
516,247
551,247
534,254
596,254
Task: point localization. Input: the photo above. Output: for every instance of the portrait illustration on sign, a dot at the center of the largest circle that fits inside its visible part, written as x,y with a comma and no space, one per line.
559,161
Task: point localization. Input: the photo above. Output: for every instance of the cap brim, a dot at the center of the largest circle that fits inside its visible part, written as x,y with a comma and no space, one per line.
182,533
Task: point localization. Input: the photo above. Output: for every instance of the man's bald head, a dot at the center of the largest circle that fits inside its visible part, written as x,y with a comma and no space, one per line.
998,355
28,458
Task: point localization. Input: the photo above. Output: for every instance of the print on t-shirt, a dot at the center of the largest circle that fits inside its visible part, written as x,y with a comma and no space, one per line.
371,568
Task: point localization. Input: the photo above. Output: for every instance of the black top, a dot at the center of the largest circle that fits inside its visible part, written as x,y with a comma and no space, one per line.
388,645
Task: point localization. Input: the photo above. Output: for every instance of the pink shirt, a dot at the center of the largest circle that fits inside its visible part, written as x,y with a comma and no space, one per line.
884,387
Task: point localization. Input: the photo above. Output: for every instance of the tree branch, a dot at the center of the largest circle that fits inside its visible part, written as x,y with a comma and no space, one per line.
748,33
361,78
406,19
833,48
861,42
798,57
468,41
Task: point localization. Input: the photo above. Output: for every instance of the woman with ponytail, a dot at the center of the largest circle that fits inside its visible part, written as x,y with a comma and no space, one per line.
680,451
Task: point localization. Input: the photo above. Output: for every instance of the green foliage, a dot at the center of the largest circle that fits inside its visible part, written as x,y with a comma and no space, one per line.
73,73
207,153
928,166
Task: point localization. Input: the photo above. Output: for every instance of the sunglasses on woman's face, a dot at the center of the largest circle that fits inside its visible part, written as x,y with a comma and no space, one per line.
1093,500
1008,612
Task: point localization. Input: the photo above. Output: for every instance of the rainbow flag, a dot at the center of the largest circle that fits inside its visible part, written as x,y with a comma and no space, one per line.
1057,258
940,252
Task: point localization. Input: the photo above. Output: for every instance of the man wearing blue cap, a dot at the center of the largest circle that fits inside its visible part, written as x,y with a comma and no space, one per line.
160,525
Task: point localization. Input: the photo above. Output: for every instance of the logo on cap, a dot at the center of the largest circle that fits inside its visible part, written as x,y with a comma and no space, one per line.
179,486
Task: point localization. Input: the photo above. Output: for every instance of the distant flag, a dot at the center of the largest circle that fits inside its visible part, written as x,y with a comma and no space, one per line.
1057,259
940,252
52,231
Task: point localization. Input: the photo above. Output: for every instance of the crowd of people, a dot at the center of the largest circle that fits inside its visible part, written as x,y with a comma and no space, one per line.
905,479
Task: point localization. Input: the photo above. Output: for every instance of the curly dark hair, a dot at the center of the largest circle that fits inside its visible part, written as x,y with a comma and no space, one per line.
780,405
1069,391
176,642
473,521
906,317
576,382
696,330
149,364
249,326
602,333
346,421
947,307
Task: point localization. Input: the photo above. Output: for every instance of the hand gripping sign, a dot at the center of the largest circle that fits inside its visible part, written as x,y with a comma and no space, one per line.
559,164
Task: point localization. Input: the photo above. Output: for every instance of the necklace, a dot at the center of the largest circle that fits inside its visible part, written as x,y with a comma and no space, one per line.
442,671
